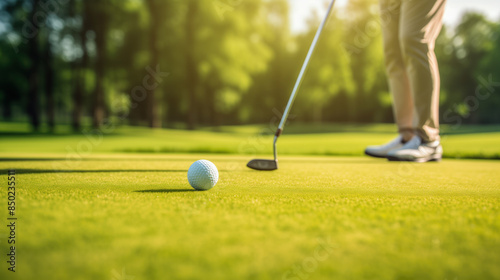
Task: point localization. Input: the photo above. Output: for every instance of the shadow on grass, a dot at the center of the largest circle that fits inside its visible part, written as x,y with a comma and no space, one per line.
31,159
113,159
167,191
38,171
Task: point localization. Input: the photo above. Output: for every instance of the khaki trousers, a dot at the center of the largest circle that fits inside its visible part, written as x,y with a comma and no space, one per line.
410,29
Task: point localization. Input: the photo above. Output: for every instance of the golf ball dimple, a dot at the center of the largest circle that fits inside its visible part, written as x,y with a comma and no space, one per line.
203,175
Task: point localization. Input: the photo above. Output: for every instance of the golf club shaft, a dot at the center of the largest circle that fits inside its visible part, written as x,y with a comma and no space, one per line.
302,72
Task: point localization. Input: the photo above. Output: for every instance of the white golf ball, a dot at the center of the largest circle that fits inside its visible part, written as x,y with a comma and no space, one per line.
203,175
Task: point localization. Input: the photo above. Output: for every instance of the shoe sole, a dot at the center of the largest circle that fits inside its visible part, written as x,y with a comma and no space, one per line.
434,158
375,156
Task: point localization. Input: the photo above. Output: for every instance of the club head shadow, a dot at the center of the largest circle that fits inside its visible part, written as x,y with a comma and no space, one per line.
263,164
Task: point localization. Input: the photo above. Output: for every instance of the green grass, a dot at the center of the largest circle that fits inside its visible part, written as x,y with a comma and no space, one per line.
473,142
381,220
96,213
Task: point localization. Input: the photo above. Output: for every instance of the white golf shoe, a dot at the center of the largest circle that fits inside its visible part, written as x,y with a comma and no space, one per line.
417,151
382,151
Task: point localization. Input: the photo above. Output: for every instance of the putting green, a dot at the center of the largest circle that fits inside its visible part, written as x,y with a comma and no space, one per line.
118,216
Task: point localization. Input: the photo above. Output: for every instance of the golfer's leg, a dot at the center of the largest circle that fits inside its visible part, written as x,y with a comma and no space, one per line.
395,67
421,21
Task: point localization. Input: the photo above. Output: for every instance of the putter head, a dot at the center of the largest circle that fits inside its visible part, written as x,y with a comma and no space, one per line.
263,164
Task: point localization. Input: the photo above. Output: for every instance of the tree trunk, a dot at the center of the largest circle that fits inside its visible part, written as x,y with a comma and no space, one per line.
100,64
318,113
191,71
7,106
154,12
210,108
78,68
49,86
33,98
173,113
212,115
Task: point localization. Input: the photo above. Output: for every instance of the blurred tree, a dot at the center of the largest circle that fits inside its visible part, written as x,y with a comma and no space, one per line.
128,58
49,85
329,72
229,62
445,52
488,81
460,57
174,100
473,38
233,52
222,52
270,91
363,43
14,58
99,22
156,10
33,94
79,65
192,78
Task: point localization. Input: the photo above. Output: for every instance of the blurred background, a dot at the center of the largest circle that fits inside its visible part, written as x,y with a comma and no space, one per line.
194,63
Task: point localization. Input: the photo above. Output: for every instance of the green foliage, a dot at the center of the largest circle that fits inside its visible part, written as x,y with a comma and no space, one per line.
363,43
237,64
469,69
329,73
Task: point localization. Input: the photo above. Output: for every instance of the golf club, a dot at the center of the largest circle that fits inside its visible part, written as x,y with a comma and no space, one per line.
266,164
